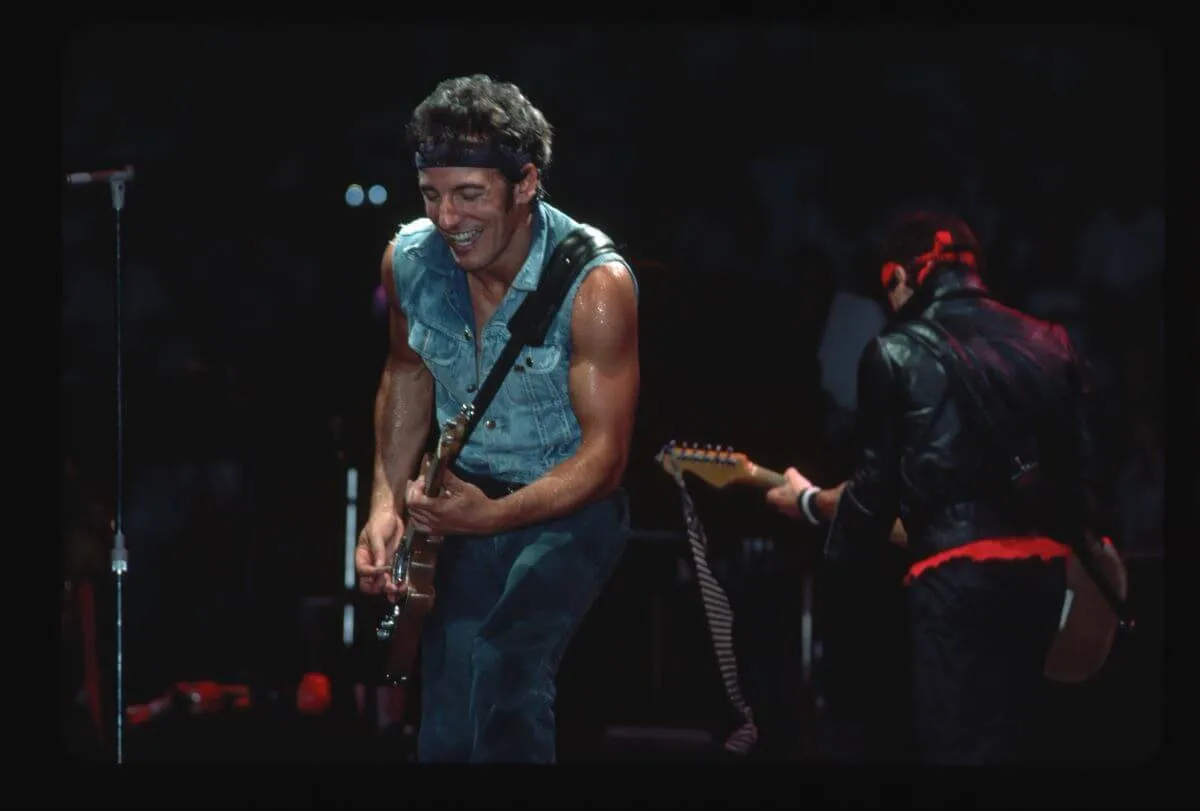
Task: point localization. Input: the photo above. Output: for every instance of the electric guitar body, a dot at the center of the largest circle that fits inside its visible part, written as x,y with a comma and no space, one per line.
413,565
1089,624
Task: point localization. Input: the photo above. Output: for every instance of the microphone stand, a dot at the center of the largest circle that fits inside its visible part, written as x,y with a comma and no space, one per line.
120,556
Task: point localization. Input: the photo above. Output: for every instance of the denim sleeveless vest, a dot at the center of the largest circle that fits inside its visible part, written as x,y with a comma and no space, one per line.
530,425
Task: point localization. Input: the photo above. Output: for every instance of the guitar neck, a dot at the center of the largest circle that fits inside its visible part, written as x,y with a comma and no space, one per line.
433,482
764,477
721,468
435,472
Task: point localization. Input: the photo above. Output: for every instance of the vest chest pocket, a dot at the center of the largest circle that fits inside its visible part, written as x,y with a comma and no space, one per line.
537,377
433,345
538,360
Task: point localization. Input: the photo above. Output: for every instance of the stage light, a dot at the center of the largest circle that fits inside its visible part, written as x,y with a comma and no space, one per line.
354,195
377,195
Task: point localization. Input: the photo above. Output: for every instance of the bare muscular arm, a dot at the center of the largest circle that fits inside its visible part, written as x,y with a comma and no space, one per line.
604,379
402,407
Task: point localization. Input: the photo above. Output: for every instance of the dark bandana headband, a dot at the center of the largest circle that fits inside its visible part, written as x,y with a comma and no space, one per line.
510,162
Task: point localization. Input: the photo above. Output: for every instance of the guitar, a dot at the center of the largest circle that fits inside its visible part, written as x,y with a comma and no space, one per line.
414,563
1088,625
721,467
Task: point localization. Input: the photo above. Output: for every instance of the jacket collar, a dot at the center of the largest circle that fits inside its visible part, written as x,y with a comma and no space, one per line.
954,281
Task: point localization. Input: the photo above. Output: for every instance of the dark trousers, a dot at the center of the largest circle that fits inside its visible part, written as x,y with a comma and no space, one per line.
980,634
506,608
865,669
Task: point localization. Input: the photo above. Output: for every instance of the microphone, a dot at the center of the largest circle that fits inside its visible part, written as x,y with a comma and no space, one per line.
103,176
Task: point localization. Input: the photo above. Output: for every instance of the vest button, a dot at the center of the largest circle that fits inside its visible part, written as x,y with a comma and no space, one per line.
490,424
471,387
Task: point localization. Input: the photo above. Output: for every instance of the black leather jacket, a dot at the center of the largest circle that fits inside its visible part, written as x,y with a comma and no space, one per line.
925,458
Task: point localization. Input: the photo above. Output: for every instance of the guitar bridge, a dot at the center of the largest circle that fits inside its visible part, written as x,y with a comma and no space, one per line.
387,625
400,566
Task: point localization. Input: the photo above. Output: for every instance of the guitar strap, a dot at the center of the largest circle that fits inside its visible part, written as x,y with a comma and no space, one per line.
529,324
720,622
977,406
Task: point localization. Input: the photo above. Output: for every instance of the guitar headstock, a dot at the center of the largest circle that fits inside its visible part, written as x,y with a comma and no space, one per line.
717,466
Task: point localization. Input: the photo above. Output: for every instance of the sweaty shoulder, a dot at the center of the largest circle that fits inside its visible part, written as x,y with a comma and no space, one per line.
609,283
606,305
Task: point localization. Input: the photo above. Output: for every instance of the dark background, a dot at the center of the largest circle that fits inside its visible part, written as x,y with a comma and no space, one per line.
744,170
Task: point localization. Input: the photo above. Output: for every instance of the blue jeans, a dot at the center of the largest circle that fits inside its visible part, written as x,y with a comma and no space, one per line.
505,609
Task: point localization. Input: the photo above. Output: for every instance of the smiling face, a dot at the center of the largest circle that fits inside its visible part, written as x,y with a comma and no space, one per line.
479,213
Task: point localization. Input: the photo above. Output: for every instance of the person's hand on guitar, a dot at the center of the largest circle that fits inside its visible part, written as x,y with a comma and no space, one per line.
458,509
783,497
373,555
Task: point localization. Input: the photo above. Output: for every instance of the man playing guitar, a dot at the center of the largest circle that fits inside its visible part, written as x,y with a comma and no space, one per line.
990,510
532,514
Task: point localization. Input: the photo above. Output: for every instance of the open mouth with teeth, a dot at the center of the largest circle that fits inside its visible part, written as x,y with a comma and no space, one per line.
462,242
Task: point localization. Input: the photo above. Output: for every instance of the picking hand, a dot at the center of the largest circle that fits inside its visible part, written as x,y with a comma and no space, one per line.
372,557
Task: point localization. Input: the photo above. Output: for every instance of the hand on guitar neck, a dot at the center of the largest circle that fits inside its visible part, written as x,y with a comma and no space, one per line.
785,496
722,467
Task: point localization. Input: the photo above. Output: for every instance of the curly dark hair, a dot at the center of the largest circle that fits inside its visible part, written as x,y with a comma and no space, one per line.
478,108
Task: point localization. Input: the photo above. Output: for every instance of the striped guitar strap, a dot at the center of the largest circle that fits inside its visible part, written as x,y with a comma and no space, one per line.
720,621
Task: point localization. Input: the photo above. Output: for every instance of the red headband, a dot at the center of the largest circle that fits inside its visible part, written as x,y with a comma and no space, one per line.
941,241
